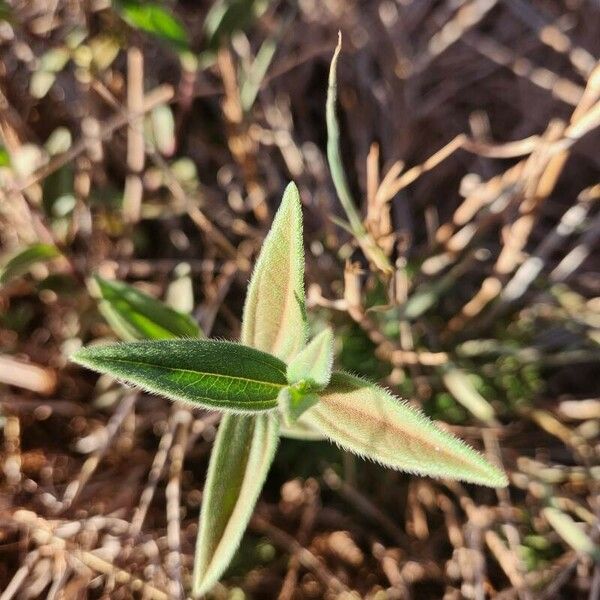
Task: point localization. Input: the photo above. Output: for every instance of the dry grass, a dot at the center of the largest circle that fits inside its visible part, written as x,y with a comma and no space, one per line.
470,136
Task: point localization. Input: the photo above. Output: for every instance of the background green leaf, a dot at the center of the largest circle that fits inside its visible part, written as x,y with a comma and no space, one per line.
215,375
367,420
137,316
156,19
313,363
23,260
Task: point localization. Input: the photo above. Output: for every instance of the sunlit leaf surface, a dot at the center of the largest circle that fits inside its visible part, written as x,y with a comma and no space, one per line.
219,375
275,313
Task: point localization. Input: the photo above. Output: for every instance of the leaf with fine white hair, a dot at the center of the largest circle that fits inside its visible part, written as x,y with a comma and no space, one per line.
367,420
242,454
312,364
203,373
274,312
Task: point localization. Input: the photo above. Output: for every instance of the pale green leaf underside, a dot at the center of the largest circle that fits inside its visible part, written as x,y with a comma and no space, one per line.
242,454
367,420
211,374
301,431
274,312
134,315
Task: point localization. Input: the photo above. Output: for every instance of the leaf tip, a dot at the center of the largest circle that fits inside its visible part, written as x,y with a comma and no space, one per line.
81,357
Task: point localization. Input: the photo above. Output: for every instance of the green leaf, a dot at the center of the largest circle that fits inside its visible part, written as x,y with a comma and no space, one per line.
23,260
4,155
338,174
274,312
239,463
308,372
274,321
367,420
156,19
136,316
312,365
5,12
210,374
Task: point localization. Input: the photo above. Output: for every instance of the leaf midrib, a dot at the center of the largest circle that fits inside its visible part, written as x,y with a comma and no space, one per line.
179,370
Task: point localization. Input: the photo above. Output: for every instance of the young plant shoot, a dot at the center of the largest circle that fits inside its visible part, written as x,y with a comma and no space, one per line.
270,383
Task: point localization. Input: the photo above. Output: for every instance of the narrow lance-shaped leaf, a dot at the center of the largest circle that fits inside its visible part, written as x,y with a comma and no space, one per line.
274,312
252,79
274,321
211,374
22,261
240,460
367,420
134,315
338,174
275,308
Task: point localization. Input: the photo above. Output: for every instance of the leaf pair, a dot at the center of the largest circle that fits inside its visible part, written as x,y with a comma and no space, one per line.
272,374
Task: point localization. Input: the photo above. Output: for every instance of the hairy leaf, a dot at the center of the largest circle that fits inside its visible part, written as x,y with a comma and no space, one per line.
215,375
274,312
242,454
367,420
313,363
136,316
23,260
